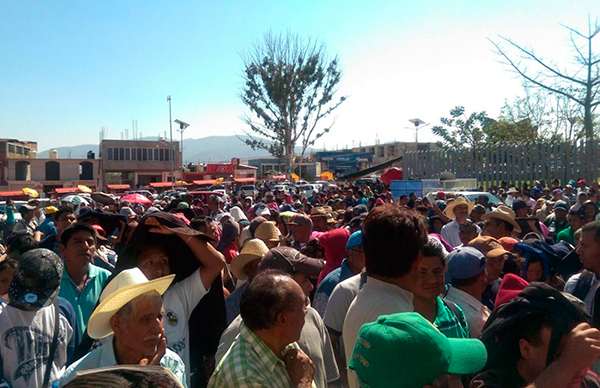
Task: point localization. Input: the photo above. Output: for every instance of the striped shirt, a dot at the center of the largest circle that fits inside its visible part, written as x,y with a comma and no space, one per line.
251,363
451,321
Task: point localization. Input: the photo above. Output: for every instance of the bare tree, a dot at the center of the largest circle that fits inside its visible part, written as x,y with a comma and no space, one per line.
580,86
289,87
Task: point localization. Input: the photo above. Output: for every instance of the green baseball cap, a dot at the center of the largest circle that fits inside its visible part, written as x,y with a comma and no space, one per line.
405,350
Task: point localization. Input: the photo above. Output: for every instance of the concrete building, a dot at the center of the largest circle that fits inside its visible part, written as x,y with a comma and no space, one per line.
13,149
46,175
341,162
138,162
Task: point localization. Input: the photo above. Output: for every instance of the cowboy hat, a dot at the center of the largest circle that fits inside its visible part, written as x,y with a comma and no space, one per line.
125,287
505,214
512,190
267,231
253,249
449,211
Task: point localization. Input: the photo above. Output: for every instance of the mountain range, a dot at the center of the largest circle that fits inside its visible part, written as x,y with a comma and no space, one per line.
207,149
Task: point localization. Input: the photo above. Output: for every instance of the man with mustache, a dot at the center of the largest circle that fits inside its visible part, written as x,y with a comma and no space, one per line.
130,316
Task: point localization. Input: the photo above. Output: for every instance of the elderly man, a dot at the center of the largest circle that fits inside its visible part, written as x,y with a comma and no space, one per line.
301,227
265,353
82,281
131,308
457,210
313,339
30,322
318,215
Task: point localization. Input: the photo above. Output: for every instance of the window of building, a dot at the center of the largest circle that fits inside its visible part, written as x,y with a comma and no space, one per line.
139,153
162,154
127,153
11,148
52,171
121,153
133,154
110,154
150,154
86,171
156,154
25,151
19,150
144,154
22,171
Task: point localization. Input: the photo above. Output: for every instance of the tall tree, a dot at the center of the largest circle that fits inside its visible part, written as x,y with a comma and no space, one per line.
290,86
580,85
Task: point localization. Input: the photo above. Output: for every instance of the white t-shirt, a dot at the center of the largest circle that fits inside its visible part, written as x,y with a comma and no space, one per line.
25,340
376,298
179,301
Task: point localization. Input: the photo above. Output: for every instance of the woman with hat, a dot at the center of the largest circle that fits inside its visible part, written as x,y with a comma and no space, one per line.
458,211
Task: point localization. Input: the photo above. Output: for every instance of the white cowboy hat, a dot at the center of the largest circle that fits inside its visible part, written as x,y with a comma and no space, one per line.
449,210
125,287
503,213
253,249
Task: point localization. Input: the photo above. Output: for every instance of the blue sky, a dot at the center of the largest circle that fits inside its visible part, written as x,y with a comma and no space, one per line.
68,68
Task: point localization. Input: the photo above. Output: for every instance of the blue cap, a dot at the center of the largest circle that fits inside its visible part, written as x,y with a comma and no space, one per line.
355,240
465,263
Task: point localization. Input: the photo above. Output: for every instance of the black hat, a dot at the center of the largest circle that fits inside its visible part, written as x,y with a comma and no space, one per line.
37,280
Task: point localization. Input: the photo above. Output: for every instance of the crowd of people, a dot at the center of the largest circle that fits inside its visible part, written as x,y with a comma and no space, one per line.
341,287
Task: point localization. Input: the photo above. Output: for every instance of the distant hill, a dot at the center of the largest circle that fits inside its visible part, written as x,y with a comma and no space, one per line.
207,149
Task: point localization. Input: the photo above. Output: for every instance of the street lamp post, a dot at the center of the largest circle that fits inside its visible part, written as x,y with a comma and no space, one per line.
182,127
172,151
417,123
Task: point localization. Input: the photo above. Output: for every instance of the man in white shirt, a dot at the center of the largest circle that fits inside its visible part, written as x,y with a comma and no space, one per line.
467,270
457,210
585,285
392,242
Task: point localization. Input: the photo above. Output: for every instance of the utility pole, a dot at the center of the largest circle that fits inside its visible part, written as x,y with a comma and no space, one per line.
172,153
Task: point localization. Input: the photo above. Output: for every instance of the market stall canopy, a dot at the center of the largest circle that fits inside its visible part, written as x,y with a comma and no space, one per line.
136,198
161,184
244,180
118,187
206,182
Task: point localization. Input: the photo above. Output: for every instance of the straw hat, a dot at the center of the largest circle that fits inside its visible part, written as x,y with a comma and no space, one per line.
125,287
449,211
318,212
253,249
267,231
503,213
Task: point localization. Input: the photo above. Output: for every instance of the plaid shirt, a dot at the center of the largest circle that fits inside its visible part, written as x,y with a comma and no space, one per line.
451,322
251,363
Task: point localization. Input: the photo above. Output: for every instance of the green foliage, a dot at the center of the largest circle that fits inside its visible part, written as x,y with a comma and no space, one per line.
460,131
289,86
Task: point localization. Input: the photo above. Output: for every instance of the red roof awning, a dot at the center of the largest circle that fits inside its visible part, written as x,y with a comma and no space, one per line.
278,177
66,190
118,187
16,193
208,182
244,180
161,184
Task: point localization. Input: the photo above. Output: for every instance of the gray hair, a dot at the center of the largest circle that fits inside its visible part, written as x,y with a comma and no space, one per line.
129,310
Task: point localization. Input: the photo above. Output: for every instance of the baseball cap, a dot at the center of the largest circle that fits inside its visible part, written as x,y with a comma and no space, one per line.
37,280
489,246
289,260
301,219
355,240
419,351
561,205
465,263
557,191
26,208
50,210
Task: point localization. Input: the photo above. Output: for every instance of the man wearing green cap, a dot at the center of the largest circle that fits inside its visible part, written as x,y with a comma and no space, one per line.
405,350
